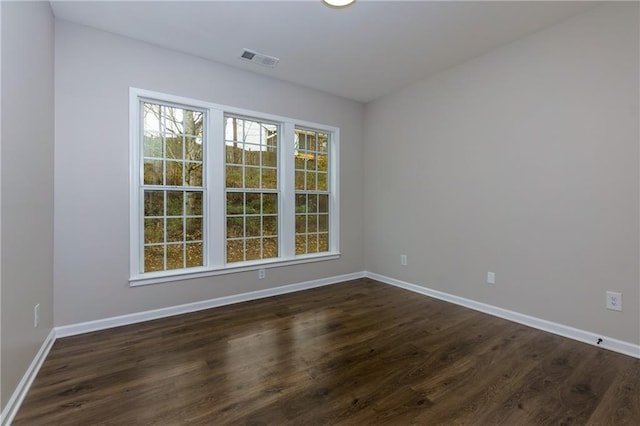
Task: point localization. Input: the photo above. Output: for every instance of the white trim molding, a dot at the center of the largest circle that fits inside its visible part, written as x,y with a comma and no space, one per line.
102,324
14,403
588,337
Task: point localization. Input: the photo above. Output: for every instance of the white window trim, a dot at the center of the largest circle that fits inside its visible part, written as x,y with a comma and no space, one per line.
214,208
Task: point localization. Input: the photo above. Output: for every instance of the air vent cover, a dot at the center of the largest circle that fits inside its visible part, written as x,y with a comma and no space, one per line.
259,58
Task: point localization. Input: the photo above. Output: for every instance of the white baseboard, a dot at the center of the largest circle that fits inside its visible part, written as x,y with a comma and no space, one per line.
89,326
14,403
609,343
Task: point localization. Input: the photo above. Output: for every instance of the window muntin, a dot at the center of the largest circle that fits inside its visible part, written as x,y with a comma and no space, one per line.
252,195
312,191
172,188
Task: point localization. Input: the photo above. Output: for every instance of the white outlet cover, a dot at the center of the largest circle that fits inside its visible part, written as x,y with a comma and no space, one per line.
614,301
491,277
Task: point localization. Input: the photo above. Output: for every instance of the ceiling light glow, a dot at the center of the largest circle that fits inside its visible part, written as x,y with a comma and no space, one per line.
338,3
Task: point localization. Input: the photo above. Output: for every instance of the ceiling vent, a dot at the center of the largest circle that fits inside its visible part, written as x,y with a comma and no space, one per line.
259,58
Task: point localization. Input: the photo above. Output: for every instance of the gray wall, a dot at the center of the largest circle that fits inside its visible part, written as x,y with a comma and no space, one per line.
93,73
27,184
523,162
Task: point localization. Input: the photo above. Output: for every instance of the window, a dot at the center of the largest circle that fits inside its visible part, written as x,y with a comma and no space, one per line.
312,191
216,189
251,189
171,188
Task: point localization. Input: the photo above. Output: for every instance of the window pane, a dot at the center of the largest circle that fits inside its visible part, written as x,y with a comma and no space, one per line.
235,227
235,251
300,180
312,203
175,200
174,147
311,162
301,203
153,231
302,140
233,129
269,248
323,142
153,203
323,203
174,173
193,148
323,242
301,224
322,182
235,203
253,203
270,203
151,118
234,177
175,256
252,177
254,249
270,225
252,155
193,203
194,229
271,135
193,122
153,172
311,181
270,158
234,155
312,223
153,258
175,230
312,243
301,244
254,228
193,174
269,178
172,120
194,255
323,223
311,142
322,162
152,145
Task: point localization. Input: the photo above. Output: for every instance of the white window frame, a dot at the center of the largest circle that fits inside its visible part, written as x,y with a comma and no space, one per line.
214,189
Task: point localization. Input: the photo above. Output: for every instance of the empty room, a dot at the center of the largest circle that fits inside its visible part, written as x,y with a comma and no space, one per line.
320,212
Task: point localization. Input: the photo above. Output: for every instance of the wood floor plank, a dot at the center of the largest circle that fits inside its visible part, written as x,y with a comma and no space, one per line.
359,352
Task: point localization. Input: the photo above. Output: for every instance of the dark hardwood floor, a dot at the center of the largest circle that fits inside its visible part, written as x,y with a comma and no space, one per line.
360,352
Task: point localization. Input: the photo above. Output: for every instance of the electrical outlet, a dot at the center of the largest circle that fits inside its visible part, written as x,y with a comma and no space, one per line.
614,301
36,315
262,273
403,259
491,277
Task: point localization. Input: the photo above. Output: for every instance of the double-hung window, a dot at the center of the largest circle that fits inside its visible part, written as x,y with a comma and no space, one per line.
216,189
312,190
171,188
251,189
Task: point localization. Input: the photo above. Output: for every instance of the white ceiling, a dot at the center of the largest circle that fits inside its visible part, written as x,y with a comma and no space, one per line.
361,52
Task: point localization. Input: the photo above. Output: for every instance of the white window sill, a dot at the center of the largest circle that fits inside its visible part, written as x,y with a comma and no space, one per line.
187,274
